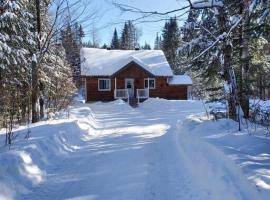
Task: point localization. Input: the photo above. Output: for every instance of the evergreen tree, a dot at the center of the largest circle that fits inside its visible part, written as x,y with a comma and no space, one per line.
125,38
129,37
158,42
132,36
146,46
207,84
81,35
16,42
171,42
71,43
104,46
115,44
220,47
13,17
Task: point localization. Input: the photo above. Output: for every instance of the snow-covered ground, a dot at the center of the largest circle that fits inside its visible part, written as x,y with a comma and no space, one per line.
160,150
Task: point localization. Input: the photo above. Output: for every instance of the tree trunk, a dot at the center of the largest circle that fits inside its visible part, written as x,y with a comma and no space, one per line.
245,60
35,78
41,105
227,68
35,93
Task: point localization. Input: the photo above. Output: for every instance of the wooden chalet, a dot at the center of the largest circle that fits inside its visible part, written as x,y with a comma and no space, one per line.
131,75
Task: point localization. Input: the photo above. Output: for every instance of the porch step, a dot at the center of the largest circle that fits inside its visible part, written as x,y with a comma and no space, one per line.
133,102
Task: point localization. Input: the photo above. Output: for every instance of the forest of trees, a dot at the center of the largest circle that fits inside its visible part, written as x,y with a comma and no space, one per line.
39,66
223,45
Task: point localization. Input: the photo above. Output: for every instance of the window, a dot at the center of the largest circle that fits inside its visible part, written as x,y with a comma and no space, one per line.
152,83
104,84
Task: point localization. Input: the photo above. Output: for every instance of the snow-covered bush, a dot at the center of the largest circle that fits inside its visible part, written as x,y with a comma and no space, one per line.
260,114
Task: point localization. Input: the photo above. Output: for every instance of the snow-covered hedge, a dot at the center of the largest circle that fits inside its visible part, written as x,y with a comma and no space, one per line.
260,113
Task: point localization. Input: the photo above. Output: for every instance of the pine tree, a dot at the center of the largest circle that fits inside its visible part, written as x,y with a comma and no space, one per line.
158,42
72,49
33,63
125,38
16,41
14,17
146,46
115,44
171,42
129,37
219,44
132,40
104,46
81,35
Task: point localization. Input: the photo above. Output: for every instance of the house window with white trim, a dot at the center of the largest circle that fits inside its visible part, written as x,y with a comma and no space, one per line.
104,84
152,83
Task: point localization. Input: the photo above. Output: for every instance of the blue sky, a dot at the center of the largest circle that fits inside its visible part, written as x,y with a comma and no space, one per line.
110,17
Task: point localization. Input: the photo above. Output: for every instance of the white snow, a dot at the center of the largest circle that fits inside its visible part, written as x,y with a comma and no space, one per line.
180,80
264,105
160,150
207,3
103,62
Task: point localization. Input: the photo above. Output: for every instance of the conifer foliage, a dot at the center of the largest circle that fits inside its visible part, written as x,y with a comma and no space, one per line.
129,37
220,43
171,42
36,78
16,39
71,38
115,44
158,42
146,46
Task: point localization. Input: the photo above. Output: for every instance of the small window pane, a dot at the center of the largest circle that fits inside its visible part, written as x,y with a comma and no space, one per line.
151,83
146,83
104,84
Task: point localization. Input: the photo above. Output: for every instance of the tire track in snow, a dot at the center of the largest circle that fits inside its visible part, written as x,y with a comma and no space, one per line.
214,174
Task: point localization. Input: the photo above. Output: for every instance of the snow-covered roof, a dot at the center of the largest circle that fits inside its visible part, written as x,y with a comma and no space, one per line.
103,62
180,80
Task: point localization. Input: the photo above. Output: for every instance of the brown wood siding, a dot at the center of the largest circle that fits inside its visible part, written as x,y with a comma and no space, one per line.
132,70
166,91
92,91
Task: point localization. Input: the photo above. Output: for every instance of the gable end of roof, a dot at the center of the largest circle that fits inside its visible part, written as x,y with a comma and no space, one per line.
129,65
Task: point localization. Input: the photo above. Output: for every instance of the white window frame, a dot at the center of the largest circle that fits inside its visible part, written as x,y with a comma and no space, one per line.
104,79
152,88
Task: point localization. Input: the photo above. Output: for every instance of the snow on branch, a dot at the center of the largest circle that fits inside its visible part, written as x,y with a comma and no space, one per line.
208,48
219,38
201,4
128,8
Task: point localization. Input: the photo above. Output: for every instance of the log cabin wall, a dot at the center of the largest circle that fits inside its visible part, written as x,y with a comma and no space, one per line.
166,91
133,70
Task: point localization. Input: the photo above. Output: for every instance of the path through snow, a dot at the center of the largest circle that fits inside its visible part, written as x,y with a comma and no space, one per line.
117,152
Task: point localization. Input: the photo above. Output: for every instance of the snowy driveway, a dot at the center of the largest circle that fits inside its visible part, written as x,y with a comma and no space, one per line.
119,153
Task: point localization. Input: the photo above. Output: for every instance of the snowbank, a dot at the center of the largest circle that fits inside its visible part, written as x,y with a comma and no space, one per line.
24,166
156,104
248,149
161,150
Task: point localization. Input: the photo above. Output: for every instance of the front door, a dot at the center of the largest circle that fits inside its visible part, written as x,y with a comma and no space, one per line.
129,85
